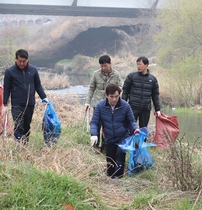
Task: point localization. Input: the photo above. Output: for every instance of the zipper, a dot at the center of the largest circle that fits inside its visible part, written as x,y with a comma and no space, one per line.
24,79
113,118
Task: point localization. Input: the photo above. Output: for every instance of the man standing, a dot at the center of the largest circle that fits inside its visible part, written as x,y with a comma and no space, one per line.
118,123
100,79
21,81
140,88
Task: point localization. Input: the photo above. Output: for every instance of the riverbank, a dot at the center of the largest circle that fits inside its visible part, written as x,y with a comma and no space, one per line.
73,157
173,88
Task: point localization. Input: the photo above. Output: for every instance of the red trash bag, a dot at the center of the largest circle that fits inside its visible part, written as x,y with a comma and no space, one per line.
1,95
167,129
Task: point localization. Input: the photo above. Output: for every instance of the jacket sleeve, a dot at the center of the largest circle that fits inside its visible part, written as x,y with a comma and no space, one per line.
126,87
91,89
7,87
155,96
38,87
119,82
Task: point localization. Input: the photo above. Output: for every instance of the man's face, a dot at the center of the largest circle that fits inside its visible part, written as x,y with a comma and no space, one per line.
141,67
105,67
113,98
21,62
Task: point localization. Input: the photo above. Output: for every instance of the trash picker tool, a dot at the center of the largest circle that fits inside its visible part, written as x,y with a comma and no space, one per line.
5,124
86,119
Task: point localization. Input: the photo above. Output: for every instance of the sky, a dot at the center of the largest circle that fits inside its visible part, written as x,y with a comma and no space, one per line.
93,3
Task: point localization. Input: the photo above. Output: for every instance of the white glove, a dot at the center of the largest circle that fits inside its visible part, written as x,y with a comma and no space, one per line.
93,140
87,105
158,113
45,101
5,110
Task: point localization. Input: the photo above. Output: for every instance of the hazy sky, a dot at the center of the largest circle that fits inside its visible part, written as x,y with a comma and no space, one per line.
93,3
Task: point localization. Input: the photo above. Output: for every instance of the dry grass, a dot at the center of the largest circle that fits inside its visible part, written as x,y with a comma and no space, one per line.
78,160
54,81
73,155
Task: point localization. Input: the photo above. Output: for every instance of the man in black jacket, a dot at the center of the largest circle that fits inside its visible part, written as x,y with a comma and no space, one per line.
139,89
21,81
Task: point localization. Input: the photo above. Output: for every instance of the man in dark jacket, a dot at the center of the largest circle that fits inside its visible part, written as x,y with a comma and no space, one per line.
139,89
117,120
21,81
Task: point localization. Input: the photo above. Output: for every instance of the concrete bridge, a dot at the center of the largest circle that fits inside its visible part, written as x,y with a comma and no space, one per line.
93,8
28,20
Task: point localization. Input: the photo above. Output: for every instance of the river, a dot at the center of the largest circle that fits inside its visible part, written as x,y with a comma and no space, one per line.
79,91
190,123
78,87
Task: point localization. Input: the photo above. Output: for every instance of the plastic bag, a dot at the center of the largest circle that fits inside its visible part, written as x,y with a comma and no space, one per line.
167,129
140,158
51,125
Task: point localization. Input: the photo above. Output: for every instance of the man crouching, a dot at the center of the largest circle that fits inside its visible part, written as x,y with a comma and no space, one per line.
118,123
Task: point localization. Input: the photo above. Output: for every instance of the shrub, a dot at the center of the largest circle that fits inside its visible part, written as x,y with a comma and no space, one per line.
183,165
54,81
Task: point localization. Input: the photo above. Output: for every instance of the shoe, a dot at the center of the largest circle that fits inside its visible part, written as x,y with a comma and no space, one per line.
119,171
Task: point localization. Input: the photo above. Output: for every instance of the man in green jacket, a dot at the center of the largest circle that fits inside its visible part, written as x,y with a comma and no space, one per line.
98,83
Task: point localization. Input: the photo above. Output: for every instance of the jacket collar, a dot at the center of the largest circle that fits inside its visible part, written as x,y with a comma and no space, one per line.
148,72
26,67
118,104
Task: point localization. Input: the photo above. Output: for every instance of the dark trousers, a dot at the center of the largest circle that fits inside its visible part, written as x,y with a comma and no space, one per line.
22,116
142,116
115,158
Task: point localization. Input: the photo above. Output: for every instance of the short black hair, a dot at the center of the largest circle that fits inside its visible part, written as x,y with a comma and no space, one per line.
112,88
143,59
21,53
104,59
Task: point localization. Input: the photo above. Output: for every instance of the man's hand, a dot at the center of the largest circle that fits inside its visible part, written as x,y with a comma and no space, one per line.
136,131
93,140
87,106
45,101
158,113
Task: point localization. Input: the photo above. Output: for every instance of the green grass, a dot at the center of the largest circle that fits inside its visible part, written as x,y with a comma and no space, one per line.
186,204
184,110
142,198
65,61
26,187
71,173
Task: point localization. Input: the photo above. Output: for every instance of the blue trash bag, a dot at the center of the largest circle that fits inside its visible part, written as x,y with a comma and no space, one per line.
140,158
51,125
